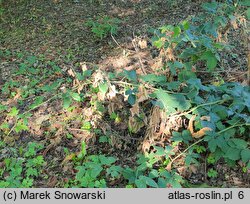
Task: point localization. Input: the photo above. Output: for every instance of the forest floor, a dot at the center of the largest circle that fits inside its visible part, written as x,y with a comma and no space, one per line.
53,34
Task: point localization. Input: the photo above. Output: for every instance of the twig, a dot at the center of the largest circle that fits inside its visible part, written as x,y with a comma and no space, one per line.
197,142
201,105
116,42
137,52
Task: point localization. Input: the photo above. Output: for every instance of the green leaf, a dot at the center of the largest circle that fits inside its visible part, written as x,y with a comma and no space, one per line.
13,112
233,154
212,173
20,126
3,107
31,172
239,143
177,31
230,133
131,99
245,155
4,126
185,25
96,170
186,136
210,58
80,76
185,75
31,59
158,43
87,73
76,96
107,160
83,149
177,137
153,173
27,182
37,102
131,75
212,144
86,126
103,87
159,151
66,102
172,101
210,7
244,3
140,183
150,182
152,78
129,174
248,13
169,151
114,171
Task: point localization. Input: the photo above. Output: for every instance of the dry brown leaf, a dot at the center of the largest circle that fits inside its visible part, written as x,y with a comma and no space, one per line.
18,94
154,121
201,132
162,128
237,181
170,54
234,23
101,96
146,146
193,168
169,166
52,182
142,44
71,73
190,124
80,88
243,21
142,94
42,118
135,110
207,118
98,77
183,171
112,92
83,66
115,104
88,112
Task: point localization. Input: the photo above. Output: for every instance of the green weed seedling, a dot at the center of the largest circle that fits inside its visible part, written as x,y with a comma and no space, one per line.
104,26
90,172
21,171
212,173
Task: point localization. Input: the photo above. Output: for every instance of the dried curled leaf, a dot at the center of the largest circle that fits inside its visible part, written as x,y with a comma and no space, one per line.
142,94
142,44
135,110
201,132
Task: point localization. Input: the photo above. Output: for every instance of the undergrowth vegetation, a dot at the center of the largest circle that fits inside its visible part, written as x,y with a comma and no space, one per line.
174,117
